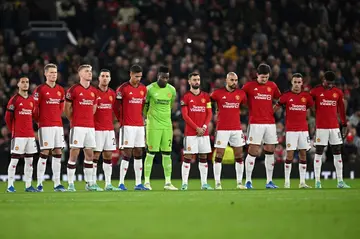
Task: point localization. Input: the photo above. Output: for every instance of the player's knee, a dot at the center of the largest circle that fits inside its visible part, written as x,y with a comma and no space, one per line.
336,149
253,150
288,161
203,159
137,152
56,151
106,155
45,152
29,155
166,153
218,159
125,158
319,149
44,156
187,159
266,152
239,160
16,156
302,155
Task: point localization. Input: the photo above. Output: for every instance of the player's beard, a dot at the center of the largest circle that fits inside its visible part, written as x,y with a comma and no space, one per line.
161,84
195,87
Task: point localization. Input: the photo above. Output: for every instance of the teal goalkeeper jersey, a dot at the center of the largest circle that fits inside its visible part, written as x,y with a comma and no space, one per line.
159,102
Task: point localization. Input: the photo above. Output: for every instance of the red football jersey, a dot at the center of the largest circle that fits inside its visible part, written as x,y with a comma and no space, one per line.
260,100
19,116
104,111
197,110
228,105
49,103
296,107
83,100
328,103
132,103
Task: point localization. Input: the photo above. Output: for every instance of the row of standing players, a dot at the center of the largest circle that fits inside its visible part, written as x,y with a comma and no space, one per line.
91,111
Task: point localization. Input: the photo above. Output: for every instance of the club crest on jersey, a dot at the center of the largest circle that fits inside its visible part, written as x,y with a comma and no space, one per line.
31,104
46,143
318,140
237,97
58,93
203,100
92,94
169,95
141,92
126,142
16,148
251,138
303,99
335,95
288,145
269,89
110,98
189,148
75,141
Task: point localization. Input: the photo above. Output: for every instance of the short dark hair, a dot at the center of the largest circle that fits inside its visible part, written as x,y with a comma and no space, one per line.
136,69
296,75
330,76
104,70
193,74
263,69
163,69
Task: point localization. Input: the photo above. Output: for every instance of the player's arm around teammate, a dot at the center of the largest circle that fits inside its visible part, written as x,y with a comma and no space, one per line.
80,101
228,129
329,102
262,129
197,113
131,98
19,119
49,101
296,103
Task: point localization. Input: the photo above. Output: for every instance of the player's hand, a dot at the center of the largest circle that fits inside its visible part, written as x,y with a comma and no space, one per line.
344,131
200,131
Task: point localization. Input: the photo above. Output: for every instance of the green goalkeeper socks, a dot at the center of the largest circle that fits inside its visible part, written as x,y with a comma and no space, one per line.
167,165
148,166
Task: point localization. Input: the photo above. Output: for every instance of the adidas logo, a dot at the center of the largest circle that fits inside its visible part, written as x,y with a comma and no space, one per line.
291,100
224,97
191,101
256,89
322,94
81,93
99,98
130,93
21,103
47,93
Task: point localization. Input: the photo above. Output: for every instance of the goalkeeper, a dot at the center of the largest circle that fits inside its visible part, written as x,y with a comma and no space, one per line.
159,100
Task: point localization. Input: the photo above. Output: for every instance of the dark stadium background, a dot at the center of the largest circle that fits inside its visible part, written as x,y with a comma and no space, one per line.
212,37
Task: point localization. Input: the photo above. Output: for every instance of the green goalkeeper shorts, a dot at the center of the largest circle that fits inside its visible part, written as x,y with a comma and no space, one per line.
159,140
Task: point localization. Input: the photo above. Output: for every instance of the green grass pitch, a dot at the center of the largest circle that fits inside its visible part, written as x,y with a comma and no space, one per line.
283,213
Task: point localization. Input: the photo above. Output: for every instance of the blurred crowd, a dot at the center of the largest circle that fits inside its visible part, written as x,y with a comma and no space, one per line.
212,37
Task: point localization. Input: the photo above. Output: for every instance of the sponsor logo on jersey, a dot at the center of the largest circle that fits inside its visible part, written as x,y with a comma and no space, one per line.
136,100
196,108
52,101
25,112
228,105
328,102
86,102
104,106
297,107
260,96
